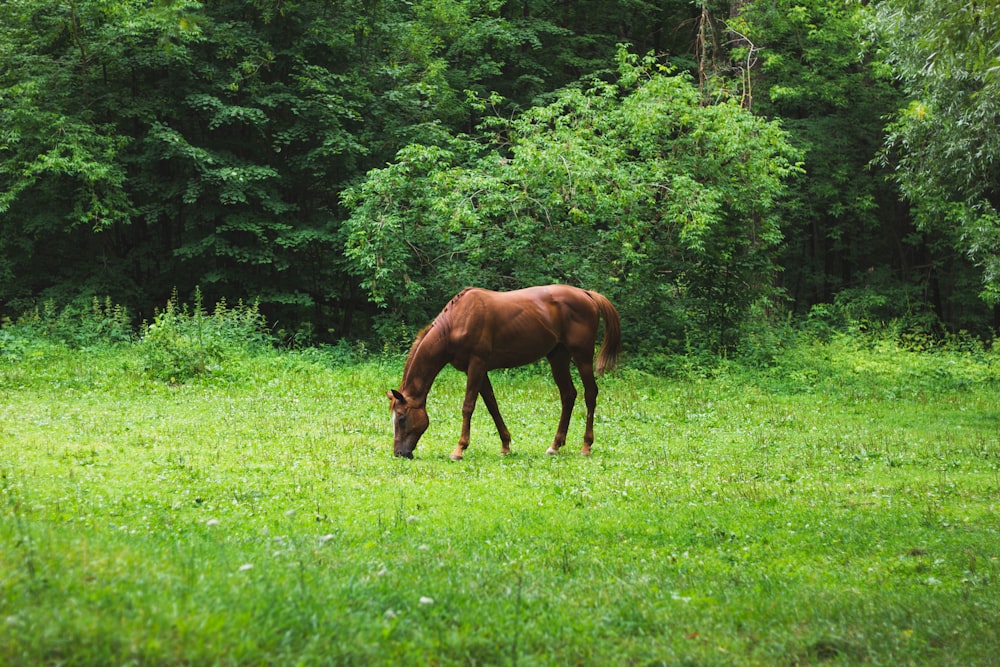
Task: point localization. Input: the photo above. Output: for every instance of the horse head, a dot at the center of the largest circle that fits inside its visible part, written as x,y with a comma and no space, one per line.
409,421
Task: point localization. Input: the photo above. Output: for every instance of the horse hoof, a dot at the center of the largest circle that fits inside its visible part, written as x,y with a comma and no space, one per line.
551,451
585,451
455,457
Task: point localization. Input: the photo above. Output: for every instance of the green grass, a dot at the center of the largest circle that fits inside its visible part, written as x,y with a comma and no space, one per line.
841,508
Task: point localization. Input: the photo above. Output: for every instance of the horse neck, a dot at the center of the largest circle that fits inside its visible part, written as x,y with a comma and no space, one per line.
426,359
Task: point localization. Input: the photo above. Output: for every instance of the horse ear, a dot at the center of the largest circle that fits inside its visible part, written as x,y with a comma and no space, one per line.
396,395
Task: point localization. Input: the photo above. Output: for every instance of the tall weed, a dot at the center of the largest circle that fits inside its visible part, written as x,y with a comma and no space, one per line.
71,326
186,341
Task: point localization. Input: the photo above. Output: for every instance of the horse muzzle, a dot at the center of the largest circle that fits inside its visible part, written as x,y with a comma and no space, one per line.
404,452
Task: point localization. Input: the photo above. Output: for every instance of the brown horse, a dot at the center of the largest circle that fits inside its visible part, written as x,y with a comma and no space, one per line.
480,330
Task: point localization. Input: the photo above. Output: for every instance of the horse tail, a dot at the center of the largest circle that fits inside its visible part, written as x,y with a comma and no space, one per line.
611,347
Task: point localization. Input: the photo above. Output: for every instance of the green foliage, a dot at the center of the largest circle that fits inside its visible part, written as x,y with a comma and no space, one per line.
889,363
634,188
101,324
185,342
943,142
814,71
47,147
148,145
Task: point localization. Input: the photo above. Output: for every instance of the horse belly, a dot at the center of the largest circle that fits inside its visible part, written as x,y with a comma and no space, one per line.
519,346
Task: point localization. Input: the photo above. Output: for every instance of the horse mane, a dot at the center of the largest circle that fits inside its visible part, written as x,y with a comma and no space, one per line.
413,349
453,301
441,321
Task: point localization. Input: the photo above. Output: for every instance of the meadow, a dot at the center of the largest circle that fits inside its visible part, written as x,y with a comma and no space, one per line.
838,507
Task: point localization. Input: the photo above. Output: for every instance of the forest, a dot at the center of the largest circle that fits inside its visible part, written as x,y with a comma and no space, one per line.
719,168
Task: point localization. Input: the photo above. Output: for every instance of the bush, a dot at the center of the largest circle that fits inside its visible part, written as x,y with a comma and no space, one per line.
72,326
185,342
75,326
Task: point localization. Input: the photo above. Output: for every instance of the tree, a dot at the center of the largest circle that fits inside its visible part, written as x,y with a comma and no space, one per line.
944,144
147,145
61,173
632,187
812,72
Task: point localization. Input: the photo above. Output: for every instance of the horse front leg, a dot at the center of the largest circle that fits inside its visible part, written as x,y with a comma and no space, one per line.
474,381
486,391
559,361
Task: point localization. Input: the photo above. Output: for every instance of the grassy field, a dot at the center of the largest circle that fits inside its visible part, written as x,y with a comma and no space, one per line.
840,508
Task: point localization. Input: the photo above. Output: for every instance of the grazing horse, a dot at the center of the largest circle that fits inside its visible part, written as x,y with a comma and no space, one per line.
480,330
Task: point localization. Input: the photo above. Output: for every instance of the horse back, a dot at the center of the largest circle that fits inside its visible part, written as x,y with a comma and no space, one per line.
506,329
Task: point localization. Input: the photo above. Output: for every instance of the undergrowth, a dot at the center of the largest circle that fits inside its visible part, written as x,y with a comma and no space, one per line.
184,342
104,323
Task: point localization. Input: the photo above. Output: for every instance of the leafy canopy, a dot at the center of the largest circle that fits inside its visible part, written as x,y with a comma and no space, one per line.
944,143
634,187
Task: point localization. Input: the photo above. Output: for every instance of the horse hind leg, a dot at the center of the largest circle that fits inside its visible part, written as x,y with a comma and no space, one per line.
559,360
585,366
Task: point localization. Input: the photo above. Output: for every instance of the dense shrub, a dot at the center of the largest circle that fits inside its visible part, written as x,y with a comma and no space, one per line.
185,341
102,323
